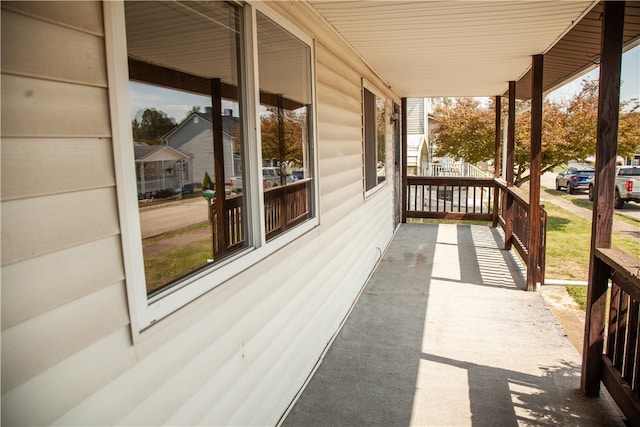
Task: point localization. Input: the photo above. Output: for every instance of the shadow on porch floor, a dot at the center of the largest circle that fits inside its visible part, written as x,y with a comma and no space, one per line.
444,335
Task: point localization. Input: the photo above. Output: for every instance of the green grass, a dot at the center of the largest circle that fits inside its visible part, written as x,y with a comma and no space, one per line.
172,263
579,295
568,243
174,255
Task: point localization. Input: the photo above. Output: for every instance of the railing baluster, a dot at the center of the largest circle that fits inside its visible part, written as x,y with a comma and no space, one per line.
631,342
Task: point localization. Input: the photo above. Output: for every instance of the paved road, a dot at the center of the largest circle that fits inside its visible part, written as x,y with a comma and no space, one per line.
631,210
160,219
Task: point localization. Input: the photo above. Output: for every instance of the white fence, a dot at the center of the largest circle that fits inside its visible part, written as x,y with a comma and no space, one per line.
459,169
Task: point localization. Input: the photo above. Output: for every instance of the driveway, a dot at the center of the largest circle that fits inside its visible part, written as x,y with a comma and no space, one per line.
155,220
630,210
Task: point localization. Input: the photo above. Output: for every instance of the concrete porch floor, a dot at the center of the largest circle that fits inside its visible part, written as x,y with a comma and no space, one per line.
444,335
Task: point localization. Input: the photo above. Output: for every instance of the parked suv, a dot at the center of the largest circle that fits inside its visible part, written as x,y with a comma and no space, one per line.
627,186
575,178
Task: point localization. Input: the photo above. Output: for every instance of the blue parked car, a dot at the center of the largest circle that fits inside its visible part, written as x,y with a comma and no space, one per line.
575,178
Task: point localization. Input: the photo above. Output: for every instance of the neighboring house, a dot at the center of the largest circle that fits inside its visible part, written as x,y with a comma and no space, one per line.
420,122
160,167
85,339
195,135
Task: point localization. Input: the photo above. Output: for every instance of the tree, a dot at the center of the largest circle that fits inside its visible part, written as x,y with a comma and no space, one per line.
583,112
466,131
153,125
291,150
194,109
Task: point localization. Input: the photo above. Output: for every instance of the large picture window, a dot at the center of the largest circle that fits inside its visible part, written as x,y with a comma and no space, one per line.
189,160
284,67
223,178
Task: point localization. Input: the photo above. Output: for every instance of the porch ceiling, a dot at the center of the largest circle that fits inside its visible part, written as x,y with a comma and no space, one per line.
444,48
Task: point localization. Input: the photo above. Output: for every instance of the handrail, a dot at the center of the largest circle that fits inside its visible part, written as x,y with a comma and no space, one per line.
620,371
480,199
284,206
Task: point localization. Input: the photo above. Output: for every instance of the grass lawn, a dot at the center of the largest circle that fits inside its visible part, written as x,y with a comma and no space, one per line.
175,254
568,246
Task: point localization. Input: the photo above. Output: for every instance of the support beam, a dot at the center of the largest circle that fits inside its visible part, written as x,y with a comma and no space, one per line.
511,135
606,150
497,155
222,229
404,159
509,165
535,168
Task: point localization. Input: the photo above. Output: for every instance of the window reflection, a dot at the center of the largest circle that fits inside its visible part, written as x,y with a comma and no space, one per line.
187,132
284,65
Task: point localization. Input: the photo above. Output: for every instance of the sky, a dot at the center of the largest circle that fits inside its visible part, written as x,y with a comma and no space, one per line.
630,78
176,104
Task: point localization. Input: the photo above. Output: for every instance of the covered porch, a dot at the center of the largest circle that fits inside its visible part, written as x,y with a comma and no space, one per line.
443,334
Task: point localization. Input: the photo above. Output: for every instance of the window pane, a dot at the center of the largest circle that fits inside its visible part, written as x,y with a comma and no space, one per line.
381,171
374,139
284,67
187,132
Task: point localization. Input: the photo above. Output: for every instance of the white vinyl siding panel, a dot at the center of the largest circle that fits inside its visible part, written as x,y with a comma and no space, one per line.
56,52
35,167
39,401
41,108
85,16
29,288
340,135
31,347
32,227
64,304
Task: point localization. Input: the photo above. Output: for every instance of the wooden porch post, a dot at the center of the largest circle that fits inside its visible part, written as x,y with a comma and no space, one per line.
508,167
497,157
403,103
606,150
534,182
222,229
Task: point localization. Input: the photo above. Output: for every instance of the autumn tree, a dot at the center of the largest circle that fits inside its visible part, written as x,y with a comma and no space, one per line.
291,148
583,117
466,131
153,125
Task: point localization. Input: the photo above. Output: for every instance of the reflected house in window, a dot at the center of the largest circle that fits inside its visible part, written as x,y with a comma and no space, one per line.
161,168
195,137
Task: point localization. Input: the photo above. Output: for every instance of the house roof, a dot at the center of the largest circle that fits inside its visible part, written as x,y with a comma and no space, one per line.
229,123
449,48
156,153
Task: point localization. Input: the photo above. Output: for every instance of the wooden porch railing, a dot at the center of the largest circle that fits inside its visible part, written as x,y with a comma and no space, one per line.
513,217
284,207
480,199
619,367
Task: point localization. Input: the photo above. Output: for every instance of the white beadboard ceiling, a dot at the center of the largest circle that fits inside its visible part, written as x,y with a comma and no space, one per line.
458,48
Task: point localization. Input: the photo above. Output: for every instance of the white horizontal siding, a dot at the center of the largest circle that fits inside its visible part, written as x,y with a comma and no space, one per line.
38,226
84,16
31,347
29,288
41,399
55,52
38,167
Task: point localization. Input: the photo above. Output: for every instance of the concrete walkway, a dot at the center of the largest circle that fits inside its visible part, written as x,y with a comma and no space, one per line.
444,335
